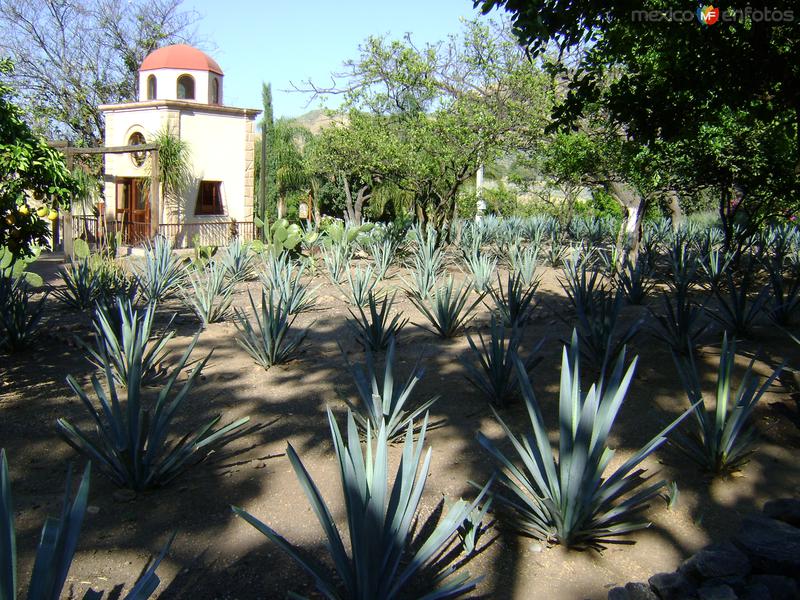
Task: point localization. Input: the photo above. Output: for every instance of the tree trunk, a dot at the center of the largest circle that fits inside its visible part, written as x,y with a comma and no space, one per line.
281,205
350,215
362,196
630,232
675,211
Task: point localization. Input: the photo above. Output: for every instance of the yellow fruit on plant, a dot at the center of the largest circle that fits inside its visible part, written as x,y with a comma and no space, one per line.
23,210
53,214
43,210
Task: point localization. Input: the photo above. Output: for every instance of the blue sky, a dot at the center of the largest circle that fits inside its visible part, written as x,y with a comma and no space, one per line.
281,42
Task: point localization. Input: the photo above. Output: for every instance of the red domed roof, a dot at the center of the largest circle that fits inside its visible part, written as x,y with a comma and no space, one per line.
180,56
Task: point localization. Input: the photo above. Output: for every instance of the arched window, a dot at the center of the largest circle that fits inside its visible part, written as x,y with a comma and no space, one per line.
151,87
136,139
185,87
214,90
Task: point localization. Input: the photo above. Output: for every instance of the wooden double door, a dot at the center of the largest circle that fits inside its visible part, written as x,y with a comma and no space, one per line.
133,209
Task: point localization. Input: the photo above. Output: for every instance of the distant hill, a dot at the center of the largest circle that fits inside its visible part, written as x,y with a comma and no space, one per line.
316,120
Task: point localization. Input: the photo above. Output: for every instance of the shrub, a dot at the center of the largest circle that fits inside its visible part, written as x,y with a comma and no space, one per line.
783,294
57,544
448,311
384,557
721,437
381,402
131,444
496,378
268,342
570,500
375,331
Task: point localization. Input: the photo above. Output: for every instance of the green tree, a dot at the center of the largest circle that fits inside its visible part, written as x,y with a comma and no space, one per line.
732,131
265,176
72,57
29,168
434,114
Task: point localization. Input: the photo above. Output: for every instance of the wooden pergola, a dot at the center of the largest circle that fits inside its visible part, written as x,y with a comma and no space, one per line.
155,185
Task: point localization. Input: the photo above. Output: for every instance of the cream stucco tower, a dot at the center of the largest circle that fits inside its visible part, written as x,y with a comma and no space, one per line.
181,88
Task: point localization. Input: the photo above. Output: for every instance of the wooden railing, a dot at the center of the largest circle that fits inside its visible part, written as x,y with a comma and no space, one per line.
181,235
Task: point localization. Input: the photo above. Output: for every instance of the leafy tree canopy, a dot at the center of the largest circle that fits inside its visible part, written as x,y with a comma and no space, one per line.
29,169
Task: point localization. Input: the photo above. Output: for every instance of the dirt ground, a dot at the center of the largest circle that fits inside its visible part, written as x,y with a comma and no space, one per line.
216,555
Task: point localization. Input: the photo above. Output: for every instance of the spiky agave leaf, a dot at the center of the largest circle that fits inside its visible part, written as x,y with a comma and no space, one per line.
383,559
280,275
679,326
375,331
569,500
20,315
57,546
133,343
737,311
382,402
722,437
268,342
448,312
497,376
211,294
361,284
161,273
482,268
237,260
131,442
515,300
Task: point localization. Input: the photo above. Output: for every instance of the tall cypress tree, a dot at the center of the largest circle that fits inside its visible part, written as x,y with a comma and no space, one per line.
267,127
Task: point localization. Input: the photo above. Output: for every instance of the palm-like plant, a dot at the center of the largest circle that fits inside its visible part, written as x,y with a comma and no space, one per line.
515,300
375,331
571,500
448,311
497,376
130,346
211,293
383,402
131,444
722,437
57,546
383,558
161,273
268,342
